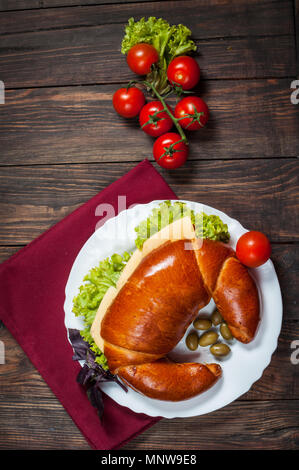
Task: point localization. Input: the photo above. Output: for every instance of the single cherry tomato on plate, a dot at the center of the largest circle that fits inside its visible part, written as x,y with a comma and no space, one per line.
253,249
183,71
141,57
169,151
128,101
195,110
158,120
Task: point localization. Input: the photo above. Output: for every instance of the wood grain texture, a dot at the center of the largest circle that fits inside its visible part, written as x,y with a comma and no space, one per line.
31,405
33,418
8,251
213,19
29,4
249,118
34,198
19,4
61,143
258,425
262,425
92,55
296,13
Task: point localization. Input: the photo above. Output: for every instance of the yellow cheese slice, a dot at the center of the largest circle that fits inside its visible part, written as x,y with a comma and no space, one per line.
96,325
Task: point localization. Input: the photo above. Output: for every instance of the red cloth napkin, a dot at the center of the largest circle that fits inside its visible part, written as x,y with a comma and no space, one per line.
32,285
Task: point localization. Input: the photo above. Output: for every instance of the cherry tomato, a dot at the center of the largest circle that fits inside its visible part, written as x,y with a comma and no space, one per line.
253,249
159,123
192,105
183,71
141,57
128,102
167,153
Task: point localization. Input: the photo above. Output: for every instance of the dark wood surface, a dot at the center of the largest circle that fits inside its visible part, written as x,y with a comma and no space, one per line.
61,143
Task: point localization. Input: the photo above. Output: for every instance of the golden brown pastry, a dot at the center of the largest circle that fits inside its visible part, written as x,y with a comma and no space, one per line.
156,299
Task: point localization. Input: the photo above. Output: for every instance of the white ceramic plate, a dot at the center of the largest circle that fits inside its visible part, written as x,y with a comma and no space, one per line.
246,362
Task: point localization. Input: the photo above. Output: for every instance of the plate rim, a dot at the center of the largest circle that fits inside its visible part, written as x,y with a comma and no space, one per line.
270,352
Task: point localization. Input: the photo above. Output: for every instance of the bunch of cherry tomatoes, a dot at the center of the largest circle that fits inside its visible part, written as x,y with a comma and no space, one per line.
157,118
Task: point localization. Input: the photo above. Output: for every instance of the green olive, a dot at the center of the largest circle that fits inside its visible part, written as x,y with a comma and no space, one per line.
225,331
192,341
220,349
202,324
210,337
216,318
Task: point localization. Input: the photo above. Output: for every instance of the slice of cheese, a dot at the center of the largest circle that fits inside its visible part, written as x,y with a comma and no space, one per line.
181,229
96,325
129,268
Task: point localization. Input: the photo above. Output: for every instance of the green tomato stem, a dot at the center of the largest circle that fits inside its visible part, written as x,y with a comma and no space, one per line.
174,120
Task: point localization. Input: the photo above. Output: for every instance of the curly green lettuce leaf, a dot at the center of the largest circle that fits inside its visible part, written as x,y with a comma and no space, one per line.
91,292
170,41
180,42
206,226
152,31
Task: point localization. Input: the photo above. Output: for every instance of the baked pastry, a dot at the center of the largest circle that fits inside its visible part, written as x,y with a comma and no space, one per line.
158,295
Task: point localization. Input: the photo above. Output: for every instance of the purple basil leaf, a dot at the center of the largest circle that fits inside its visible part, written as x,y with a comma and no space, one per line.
108,377
80,346
96,399
85,375
92,373
122,385
90,359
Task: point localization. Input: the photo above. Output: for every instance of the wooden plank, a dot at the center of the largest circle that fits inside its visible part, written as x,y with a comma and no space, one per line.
78,124
7,251
29,422
241,425
213,18
38,424
19,4
281,373
92,55
261,194
8,5
296,12
247,58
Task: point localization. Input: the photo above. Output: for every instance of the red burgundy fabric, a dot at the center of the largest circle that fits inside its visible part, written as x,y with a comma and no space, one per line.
32,291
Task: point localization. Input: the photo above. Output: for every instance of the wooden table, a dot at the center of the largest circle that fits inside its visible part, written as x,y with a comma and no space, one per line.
61,143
